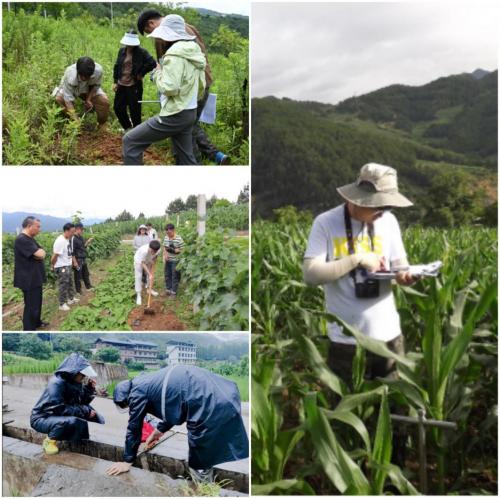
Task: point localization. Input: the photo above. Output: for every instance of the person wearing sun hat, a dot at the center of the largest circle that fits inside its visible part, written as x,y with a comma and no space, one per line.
149,20
345,244
132,64
180,79
63,410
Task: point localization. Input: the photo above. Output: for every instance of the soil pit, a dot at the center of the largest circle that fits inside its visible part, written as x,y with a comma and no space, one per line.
105,147
161,320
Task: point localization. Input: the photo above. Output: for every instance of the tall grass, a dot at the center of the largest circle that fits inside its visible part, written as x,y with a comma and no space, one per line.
17,364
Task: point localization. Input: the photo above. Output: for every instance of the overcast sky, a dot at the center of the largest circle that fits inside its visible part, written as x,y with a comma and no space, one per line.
102,192
328,52
223,6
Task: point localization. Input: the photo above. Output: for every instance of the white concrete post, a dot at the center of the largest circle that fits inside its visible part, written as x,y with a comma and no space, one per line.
202,213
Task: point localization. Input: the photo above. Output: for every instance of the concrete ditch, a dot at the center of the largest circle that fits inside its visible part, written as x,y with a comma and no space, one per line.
106,441
27,471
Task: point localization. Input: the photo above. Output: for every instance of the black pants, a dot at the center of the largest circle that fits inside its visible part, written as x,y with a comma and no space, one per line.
201,143
32,315
84,274
61,427
128,97
172,276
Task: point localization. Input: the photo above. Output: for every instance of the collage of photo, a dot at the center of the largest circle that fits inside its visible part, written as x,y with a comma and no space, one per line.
249,248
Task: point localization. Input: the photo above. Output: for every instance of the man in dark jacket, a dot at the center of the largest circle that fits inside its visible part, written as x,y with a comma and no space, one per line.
63,410
29,272
80,267
209,405
132,64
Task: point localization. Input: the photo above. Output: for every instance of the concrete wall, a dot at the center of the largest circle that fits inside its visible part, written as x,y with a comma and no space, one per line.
106,373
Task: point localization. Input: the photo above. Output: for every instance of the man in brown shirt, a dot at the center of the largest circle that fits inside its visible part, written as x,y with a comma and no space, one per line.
149,20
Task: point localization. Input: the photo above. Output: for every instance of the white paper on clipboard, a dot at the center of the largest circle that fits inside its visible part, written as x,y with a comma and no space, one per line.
208,114
426,270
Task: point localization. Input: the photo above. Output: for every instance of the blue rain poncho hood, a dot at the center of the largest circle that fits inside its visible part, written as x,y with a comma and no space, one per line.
72,365
121,393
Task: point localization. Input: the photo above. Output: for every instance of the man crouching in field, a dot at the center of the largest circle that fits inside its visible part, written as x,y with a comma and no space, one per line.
83,80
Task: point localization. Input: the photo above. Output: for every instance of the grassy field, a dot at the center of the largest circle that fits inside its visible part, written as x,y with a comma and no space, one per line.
35,132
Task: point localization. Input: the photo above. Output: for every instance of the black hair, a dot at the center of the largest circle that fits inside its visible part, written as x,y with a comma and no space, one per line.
85,66
170,226
144,17
29,221
155,245
149,224
78,226
68,226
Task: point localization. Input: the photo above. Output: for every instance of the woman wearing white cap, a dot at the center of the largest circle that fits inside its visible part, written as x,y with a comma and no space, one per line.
132,64
63,410
180,79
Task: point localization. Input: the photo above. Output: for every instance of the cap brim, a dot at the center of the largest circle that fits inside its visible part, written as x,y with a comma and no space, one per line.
361,197
89,371
129,43
169,35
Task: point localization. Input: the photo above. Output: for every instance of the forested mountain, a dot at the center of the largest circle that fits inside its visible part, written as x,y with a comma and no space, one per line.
302,151
456,112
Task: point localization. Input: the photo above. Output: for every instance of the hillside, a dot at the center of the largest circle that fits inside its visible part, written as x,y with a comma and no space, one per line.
457,112
301,151
12,221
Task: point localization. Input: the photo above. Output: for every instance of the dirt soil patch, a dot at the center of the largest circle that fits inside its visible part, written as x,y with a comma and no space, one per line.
161,320
105,147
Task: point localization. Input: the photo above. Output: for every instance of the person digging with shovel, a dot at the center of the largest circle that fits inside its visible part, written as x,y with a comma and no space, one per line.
145,260
64,409
208,403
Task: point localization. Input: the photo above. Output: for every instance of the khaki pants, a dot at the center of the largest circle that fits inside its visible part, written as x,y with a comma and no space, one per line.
100,102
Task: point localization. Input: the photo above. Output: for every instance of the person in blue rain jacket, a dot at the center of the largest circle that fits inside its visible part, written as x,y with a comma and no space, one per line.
208,403
64,409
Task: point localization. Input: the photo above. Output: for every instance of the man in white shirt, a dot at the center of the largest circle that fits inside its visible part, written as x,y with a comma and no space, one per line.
345,244
83,80
152,231
145,260
62,262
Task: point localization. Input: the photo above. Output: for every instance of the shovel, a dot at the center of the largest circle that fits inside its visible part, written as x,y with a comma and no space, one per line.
148,310
142,454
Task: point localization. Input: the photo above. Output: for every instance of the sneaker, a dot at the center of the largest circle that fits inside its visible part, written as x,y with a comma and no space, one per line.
64,307
91,289
222,159
169,291
138,300
154,293
50,446
73,300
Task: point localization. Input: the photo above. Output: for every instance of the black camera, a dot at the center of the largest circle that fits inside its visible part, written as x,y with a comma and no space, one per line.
171,248
365,287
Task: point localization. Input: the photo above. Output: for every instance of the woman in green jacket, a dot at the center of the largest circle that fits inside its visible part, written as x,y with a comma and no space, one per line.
180,79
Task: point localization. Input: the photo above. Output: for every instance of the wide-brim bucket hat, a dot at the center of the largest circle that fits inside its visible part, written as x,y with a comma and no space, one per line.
376,186
130,39
172,29
142,227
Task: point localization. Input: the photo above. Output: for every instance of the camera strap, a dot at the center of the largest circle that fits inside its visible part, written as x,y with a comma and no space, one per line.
350,238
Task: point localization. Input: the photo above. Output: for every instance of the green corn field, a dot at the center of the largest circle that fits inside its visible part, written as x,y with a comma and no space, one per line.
311,435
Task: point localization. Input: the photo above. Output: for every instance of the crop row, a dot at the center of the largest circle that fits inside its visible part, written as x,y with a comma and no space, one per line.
303,441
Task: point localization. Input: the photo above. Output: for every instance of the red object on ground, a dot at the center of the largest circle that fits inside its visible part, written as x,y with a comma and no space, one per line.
147,429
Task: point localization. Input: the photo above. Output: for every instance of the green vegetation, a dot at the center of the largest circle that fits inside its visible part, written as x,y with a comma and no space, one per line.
17,364
215,271
303,151
35,130
304,442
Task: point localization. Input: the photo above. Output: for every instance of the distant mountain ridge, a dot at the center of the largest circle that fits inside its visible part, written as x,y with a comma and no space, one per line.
457,112
13,221
302,151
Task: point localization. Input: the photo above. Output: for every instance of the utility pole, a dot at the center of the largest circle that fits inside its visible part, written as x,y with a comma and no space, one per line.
111,3
202,214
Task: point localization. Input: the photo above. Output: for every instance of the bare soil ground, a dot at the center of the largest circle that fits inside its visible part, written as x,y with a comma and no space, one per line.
162,319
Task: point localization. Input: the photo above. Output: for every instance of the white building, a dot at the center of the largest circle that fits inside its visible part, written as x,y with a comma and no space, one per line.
180,352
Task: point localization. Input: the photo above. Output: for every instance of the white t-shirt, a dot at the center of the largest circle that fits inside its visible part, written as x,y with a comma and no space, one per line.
64,249
143,255
375,317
